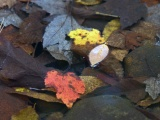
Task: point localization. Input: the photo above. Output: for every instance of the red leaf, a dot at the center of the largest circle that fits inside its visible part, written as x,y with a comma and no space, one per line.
68,86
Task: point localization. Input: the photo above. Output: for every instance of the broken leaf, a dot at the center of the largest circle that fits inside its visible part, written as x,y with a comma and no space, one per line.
68,86
26,114
98,54
153,86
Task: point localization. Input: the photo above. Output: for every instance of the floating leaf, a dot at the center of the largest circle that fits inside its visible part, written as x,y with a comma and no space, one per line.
68,86
153,86
26,114
98,53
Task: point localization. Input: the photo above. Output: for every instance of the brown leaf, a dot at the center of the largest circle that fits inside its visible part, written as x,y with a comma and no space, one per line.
9,104
129,11
19,68
151,2
31,29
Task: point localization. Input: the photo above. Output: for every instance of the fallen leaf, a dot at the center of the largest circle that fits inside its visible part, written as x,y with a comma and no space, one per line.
150,2
91,83
68,86
20,69
31,29
88,2
54,37
9,17
9,103
119,54
98,54
37,95
8,3
129,11
52,6
27,113
84,37
153,86
111,26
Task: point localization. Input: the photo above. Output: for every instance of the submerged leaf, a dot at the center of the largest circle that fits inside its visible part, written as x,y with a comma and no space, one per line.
98,53
153,86
82,37
26,114
88,2
68,86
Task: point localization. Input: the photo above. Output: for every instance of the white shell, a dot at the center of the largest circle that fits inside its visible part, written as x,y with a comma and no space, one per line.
97,54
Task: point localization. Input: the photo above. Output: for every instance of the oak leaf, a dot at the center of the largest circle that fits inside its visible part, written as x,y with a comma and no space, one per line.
68,86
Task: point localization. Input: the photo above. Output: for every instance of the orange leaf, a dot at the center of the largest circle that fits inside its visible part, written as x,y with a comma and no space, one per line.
68,86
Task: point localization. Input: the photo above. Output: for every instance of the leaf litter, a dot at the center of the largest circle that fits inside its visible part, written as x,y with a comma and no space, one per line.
18,69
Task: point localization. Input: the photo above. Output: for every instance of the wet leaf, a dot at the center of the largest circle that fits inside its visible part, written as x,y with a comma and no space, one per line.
88,2
111,26
31,29
38,95
129,11
52,6
9,103
119,54
91,83
98,54
18,68
26,114
68,86
153,86
9,18
84,37
150,2
54,37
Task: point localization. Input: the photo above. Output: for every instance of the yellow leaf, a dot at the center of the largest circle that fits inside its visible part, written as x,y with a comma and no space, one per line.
82,37
88,2
21,89
110,28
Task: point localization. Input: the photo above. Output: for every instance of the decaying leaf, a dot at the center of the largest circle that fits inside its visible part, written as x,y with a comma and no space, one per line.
8,3
91,83
52,6
54,37
9,17
68,86
98,54
27,113
88,2
110,28
153,86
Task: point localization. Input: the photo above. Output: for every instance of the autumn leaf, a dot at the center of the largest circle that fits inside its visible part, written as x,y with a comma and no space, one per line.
68,86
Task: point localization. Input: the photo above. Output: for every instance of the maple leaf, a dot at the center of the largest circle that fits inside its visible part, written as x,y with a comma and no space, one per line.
68,86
